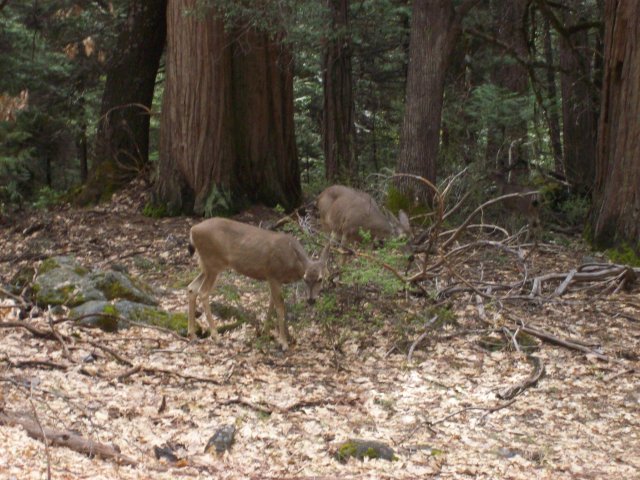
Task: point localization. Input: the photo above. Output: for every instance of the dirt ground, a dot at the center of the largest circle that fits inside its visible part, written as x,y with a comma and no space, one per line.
435,402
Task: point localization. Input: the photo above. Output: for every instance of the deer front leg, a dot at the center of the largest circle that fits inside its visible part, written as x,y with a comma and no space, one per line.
205,290
280,333
192,292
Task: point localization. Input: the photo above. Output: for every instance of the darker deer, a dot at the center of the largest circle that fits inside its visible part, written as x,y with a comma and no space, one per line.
522,200
344,212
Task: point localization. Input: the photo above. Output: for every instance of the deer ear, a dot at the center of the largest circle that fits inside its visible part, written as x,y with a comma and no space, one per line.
404,222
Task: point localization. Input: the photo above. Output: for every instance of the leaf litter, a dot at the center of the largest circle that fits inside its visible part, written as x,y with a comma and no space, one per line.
440,412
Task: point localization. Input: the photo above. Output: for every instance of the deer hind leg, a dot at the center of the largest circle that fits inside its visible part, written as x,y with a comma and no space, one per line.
205,290
192,292
280,333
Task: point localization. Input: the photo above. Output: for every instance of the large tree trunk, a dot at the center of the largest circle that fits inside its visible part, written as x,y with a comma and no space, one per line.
553,118
122,141
227,135
435,26
339,108
616,211
579,109
505,143
266,161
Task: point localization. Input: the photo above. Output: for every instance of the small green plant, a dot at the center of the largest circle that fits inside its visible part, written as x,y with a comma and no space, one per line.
624,255
218,202
152,210
46,198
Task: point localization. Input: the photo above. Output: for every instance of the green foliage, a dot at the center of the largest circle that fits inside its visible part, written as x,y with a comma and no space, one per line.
153,210
218,203
47,197
42,53
370,271
624,255
575,209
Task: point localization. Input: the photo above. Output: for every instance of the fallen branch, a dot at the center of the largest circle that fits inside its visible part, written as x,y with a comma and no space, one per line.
547,337
538,371
162,371
63,438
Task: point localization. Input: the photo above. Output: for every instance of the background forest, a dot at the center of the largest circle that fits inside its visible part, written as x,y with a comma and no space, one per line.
91,98
496,336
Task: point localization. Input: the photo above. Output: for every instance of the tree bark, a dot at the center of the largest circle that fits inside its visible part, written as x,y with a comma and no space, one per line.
339,108
505,144
226,133
122,141
579,108
553,118
615,218
435,26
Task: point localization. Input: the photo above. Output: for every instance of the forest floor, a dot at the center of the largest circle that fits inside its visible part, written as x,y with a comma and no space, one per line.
434,401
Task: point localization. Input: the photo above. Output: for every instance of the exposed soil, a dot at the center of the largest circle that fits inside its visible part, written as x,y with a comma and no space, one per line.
353,379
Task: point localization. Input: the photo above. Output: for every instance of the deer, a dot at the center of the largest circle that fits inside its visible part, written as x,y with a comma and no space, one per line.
344,212
277,258
526,203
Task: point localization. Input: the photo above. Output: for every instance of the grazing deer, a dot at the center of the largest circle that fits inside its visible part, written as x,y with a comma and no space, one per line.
277,258
345,211
526,204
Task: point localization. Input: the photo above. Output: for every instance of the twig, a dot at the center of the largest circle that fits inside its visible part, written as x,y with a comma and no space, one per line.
538,372
42,432
110,352
421,337
150,370
56,335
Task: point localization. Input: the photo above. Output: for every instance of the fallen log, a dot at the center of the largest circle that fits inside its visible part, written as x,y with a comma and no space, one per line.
63,438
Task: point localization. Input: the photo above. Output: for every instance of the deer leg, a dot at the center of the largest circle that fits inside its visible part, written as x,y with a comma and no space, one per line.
325,266
205,289
281,333
192,292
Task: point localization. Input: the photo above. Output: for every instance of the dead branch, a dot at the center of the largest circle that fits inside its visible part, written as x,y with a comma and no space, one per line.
162,371
547,337
31,329
427,329
464,224
530,381
64,438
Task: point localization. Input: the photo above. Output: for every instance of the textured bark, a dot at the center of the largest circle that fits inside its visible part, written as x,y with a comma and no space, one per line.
579,108
122,141
265,160
616,213
339,108
227,119
434,29
553,118
505,148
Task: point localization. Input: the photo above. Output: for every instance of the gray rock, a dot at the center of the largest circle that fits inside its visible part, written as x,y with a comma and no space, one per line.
222,439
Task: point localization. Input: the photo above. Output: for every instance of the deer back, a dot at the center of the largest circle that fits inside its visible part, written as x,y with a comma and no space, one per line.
260,254
346,211
527,203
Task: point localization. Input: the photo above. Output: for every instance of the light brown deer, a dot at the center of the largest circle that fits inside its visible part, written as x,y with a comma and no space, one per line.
344,212
525,201
274,257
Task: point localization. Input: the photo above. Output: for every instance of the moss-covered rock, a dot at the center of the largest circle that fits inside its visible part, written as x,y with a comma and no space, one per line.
139,312
115,285
114,315
364,448
97,313
63,281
